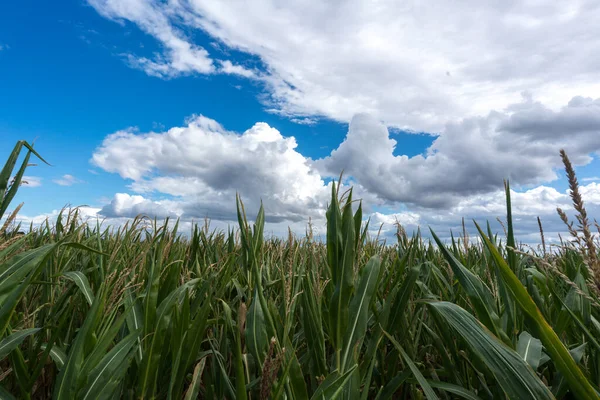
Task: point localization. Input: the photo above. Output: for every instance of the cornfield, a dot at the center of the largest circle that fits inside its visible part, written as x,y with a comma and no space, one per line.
143,312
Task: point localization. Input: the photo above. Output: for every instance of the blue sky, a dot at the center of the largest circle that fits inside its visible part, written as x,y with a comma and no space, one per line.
75,72
64,87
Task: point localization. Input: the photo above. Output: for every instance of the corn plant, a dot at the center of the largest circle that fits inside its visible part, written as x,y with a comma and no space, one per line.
9,185
143,311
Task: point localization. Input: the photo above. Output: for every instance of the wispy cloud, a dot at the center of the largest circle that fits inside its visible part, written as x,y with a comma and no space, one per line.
31,181
305,121
227,67
67,180
412,65
591,179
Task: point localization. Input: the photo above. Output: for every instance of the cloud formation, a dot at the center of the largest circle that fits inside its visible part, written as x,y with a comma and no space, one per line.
196,170
503,86
410,64
31,181
472,156
204,162
67,180
179,57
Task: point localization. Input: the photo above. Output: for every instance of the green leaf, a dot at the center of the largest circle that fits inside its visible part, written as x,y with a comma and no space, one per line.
134,320
240,384
559,386
65,387
10,342
391,387
195,335
101,345
58,356
512,373
8,196
108,373
82,283
81,246
28,263
5,174
398,307
429,393
5,394
563,361
257,340
149,369
579,323
454,389
343,277
194,388
333,386
312,325
359,312
478,292
530,349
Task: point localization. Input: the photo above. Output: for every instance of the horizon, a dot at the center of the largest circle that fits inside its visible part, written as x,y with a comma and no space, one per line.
171,108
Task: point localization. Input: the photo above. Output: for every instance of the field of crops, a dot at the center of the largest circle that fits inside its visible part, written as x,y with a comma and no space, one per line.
143,312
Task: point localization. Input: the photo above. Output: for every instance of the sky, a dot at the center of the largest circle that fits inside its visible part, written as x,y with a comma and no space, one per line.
169,108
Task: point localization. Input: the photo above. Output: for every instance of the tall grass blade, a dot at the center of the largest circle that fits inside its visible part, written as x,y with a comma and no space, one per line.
11,342
427,389
359,312
103,379
556,349
82,283
512,373
333,386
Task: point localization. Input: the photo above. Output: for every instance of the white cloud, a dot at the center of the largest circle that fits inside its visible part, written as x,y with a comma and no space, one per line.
67,180
179,57
201,167
472,156
85,214
125,205
527,206
31,181
442,67
410,64
206,165
304,121
227,67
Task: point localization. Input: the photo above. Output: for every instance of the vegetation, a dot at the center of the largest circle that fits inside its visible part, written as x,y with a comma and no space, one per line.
142,312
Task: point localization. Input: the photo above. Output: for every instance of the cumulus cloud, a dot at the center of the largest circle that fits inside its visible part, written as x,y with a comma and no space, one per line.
527,206
67,180
503,85
201,167
472,156
411,64
207,165
128,206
